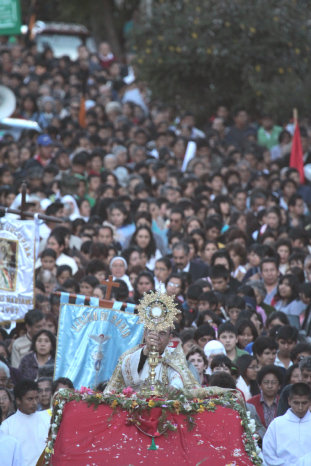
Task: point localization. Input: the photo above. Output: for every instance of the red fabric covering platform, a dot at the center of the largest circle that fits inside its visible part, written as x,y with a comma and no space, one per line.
103,437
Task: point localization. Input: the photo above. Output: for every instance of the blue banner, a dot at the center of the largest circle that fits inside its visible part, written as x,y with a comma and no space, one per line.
91,340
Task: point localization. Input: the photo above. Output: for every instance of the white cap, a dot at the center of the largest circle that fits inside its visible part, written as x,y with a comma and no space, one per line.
214,347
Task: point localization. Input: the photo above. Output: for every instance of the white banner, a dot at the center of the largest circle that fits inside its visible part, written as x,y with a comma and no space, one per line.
17,259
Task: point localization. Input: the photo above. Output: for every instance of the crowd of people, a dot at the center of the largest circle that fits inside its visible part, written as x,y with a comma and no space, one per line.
228,235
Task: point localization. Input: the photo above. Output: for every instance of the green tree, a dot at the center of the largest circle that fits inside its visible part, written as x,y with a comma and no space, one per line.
197,54
104,18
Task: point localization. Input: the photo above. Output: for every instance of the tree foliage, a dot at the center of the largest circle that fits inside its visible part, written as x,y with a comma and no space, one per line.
199,54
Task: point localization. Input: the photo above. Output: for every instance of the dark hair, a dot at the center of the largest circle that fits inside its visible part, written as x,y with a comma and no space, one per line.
50,336
209,297
215,318
241,325
146,274
270,369
186,335
221,360
219,271
45,379
226,327
289,372
64,381
48,252
243,363
222,253
299,389
300,348
222,379
305,364
293,283
120,206
24,386
33,316
193,291
122,292
59,235
180,277
197,350
166,261
90,280
63,268
94,266
234,301
277,315
269,260
150,249
203,330
287,332
262,343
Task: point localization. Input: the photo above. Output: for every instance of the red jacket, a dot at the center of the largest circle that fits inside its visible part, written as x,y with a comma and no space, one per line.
255,400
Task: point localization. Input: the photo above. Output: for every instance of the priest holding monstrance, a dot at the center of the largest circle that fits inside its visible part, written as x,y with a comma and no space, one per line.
159,363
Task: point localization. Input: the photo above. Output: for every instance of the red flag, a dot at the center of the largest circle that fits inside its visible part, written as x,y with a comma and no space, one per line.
296,155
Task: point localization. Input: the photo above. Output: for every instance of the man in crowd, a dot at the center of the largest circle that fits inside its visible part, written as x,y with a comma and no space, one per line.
287,439
28,426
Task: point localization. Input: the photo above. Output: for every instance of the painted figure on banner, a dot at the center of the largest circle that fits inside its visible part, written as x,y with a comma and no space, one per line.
8,264
98,354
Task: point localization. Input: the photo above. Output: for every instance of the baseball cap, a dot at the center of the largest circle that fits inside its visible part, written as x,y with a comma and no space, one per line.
44,140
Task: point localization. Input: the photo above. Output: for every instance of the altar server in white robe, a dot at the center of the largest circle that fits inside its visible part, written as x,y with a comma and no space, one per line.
287,439
28,426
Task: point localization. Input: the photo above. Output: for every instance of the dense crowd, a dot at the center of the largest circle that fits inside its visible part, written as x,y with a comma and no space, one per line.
228,235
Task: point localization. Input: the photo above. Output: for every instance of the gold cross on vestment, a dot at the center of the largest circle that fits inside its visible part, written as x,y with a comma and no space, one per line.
109,284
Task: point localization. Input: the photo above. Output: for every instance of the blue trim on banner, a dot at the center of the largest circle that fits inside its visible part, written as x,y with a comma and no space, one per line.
117,305
130,308
94,301
80,299
64,298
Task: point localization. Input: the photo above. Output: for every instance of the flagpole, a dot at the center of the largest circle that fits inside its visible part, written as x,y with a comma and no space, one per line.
296,154
101,303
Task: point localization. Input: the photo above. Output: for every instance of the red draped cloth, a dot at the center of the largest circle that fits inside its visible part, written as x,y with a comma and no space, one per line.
103,437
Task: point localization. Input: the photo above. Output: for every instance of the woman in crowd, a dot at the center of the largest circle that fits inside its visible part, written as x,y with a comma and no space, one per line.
197,357
292,375
118,268
144,283
287,296
119,217
247,333
248,369
6,404
41,356
238,256
162,270
175,286
144,239
209,248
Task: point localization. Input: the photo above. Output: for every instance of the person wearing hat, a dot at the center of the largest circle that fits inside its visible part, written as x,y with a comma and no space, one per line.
44,153
118,267
212,348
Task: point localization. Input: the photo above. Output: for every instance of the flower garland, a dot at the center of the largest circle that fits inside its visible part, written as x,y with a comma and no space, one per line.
131,402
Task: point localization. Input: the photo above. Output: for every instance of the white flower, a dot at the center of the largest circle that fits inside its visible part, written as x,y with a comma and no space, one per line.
187,407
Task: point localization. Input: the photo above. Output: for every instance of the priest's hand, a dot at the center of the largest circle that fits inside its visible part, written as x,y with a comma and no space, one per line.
152,340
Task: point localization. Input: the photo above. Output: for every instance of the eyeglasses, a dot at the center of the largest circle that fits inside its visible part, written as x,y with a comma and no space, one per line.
174,285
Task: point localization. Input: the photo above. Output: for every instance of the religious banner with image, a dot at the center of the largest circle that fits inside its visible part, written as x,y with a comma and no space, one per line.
17,259
91,339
